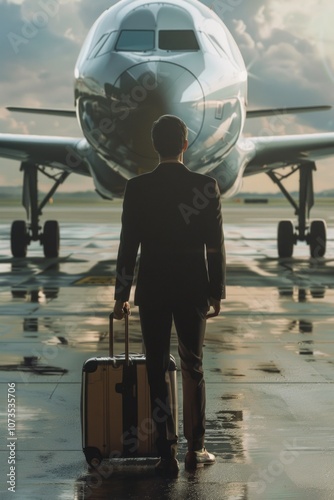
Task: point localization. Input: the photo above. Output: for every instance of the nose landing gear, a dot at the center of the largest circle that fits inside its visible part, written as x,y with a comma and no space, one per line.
22,232
313,232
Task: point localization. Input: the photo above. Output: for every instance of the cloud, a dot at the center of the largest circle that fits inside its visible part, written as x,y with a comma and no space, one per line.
280,43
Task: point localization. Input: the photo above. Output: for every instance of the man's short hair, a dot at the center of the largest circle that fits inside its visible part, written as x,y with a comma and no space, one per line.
169,134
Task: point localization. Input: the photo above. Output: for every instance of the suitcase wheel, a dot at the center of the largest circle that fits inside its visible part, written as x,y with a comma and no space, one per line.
93,457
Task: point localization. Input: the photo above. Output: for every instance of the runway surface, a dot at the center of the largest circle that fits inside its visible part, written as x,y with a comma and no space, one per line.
269,361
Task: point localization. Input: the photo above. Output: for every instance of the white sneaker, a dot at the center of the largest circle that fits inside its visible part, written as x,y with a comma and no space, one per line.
199,458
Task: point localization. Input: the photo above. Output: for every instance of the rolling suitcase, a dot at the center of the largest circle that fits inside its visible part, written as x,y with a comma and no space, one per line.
115,405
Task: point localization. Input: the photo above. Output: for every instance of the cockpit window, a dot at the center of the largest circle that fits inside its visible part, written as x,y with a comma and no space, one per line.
177,40
136,40
104,45
98,46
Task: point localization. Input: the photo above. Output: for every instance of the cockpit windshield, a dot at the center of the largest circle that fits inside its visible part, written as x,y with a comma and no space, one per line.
136,40
177,40
144,40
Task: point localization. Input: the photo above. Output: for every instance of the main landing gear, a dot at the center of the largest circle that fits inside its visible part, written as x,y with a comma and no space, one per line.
313,232
22,232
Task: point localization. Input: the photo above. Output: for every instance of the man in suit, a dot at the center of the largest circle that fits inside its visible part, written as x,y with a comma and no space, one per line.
174,215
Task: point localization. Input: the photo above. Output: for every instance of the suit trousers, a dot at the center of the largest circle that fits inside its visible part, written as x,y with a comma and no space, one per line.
190,323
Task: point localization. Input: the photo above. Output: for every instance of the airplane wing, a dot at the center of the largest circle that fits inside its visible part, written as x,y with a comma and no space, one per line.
65,113
274,152
63,153
257,113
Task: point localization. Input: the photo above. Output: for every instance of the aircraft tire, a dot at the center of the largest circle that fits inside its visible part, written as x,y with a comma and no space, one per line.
317,238
19,239
285,239
51,239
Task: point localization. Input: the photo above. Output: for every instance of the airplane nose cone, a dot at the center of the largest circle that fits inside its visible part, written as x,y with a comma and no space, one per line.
147,91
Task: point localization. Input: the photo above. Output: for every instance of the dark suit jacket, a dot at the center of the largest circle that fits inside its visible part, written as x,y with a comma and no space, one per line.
175,216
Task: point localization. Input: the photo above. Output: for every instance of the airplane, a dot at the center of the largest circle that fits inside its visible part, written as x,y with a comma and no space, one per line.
143,59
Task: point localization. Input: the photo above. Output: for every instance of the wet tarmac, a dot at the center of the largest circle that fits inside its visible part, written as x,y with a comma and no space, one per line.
269,361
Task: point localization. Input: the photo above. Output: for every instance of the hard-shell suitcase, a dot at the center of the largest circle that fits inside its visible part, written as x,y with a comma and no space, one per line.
115,405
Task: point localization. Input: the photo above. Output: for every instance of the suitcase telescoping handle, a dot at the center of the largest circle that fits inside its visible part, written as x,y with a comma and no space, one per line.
111,336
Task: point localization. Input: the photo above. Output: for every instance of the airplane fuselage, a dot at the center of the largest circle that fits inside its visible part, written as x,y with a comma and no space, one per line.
141,61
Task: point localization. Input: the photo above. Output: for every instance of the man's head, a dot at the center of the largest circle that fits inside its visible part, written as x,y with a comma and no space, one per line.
169,136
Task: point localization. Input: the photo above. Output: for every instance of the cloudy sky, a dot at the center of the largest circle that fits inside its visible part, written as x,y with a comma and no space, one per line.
288,47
